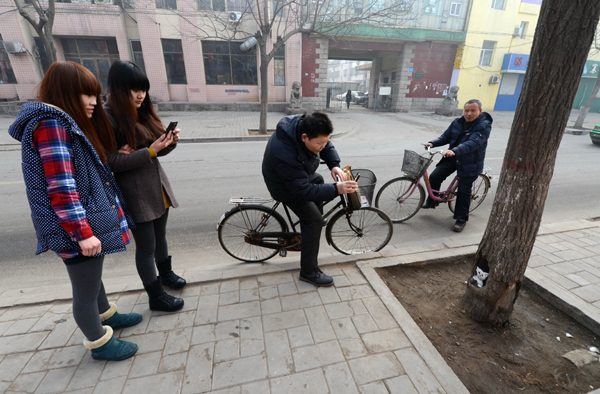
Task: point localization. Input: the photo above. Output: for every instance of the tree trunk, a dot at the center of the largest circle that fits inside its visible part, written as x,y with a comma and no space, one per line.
43,26
562,41
588,105
264,86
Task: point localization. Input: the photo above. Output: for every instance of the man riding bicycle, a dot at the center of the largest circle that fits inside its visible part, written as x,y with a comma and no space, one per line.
289,167
468,137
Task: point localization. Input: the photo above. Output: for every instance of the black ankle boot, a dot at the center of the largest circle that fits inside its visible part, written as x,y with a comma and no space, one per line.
160,300
168,277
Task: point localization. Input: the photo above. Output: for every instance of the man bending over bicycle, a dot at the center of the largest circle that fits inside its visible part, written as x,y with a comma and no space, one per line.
289,167
468,137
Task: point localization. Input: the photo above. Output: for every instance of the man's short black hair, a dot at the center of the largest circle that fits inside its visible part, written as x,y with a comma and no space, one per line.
474,101
315,125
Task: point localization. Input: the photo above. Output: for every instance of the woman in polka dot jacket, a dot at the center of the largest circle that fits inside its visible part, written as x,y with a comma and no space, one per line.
78,214
145,186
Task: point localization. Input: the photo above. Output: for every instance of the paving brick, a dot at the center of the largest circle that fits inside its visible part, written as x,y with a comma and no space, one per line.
300,301
316,356
275,279
24,312
310,382
60,335
538,261
590,293
172,362
207,309
268,292
286,289
26,382
248,295
226,350
339,379
251,337
12,364
402,385
178,341
353,348
569,254
56,381
340,281
229,298
586,266
578,279
356,292
163,383
328,294
354,275
279,356
556,277
283,320
145,364
299,336
229,286
376,367
203,334
244,370
198,370
171,322
564,268
117,370
110,386
227,330
270,306
319,324
239,311
344,328
86,376
374,388
386,340
21,326
5,325
261,387
68,356
210,289
148,343
364,323
248,283
344,309
230,390
418,372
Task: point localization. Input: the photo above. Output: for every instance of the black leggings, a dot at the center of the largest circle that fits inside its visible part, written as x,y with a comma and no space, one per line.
150,246
89,297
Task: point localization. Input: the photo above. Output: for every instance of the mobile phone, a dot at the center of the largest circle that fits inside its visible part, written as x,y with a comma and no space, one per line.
171,127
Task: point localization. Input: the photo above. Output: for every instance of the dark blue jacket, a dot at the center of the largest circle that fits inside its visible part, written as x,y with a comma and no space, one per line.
287,165
96,185
470,150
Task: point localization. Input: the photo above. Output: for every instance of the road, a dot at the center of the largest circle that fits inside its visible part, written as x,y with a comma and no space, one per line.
205,175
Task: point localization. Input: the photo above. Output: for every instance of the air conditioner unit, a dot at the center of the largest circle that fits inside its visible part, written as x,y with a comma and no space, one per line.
495,79
235,17
14,47
103,2
517,32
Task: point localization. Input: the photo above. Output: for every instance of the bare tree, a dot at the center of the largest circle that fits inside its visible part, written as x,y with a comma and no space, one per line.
276,21
560,47
43,25
588,105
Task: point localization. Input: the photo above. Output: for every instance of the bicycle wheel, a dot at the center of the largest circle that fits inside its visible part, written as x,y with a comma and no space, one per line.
363,230
248,220
481,186
401,198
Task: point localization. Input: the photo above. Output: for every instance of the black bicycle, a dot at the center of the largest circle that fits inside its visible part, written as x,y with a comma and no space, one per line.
253,231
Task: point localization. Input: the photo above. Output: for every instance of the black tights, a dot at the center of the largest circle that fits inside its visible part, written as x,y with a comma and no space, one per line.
89,297
150,246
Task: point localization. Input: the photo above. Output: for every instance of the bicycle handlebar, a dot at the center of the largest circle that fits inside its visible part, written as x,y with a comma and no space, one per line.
432,153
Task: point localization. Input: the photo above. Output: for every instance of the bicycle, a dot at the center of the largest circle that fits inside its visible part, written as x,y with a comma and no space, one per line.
402,197
253,232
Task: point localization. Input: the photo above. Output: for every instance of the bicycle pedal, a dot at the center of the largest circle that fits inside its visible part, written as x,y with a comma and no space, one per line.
282,252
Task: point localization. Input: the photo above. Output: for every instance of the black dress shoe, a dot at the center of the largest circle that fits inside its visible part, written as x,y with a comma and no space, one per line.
459,226
429,205
317,278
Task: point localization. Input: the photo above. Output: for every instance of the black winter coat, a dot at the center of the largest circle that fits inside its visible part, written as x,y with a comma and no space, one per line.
287,165
470,150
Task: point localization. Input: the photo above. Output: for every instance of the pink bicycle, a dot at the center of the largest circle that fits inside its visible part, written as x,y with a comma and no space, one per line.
402,197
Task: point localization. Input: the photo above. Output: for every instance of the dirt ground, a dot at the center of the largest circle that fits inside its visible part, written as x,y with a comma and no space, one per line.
524,357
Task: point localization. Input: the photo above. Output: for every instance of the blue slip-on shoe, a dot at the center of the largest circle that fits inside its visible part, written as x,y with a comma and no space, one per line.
116,320
110,348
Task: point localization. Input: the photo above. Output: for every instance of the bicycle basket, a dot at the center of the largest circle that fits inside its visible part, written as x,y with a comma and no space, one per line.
366,183
414,164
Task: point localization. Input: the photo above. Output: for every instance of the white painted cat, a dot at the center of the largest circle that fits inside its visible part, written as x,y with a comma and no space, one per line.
480,277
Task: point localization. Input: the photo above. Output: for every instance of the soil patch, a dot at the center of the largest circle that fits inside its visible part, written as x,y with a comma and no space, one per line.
524,357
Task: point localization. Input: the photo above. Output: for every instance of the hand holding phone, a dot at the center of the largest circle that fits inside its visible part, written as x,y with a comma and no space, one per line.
171,127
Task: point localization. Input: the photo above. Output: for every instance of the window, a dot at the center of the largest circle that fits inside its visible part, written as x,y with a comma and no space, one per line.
173,53
279,67
523,29
138,56
95,54
166,4
228,5
6,72
455,9
487,52
509,84
498,4
226,64
278,8
430,7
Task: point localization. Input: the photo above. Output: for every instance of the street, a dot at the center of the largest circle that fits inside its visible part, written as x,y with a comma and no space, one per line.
205,175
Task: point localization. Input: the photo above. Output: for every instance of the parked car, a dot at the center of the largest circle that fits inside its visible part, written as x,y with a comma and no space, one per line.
361,98
595,134
358,96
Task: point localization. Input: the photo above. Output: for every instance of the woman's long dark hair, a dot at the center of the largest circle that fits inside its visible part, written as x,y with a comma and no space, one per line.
62,86
135,126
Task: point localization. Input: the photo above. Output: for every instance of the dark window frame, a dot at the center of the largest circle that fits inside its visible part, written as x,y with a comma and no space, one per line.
174,61
226,64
